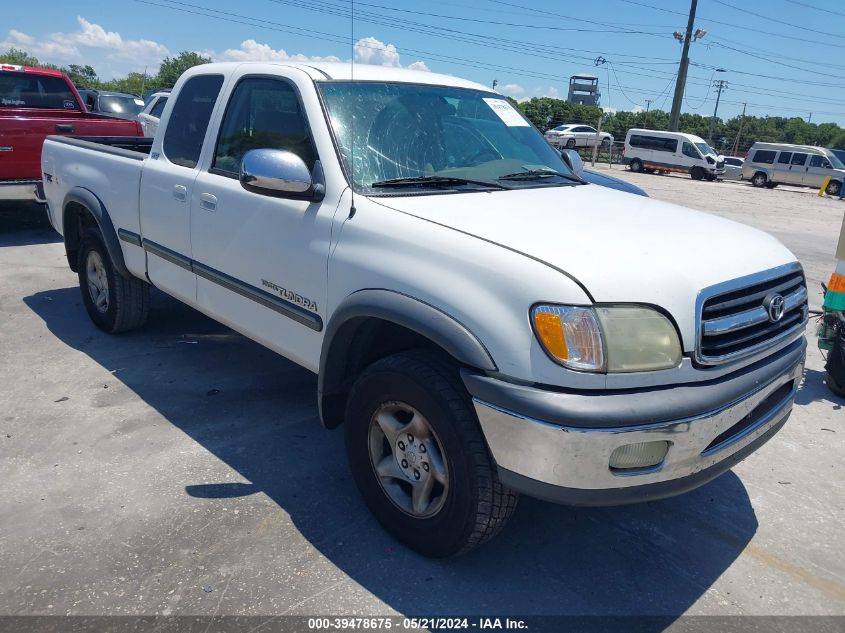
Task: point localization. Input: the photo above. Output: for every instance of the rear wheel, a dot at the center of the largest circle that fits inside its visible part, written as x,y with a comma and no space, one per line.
115,303
759,179
637,166
833,188
419,459
697,173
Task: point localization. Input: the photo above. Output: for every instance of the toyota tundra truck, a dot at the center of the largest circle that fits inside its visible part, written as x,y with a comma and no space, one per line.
35,103
483,323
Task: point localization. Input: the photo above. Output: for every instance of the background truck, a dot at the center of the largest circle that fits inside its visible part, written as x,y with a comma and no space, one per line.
482,322
35,103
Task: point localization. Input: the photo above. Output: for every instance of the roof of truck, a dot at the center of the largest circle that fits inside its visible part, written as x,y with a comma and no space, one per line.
31,69
330,71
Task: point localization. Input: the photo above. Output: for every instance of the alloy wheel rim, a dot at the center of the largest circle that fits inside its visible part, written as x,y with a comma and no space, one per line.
407,459
98,282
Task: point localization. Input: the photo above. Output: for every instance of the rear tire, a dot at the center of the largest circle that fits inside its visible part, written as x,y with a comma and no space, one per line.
636,166
759,179
115,303
833,188
412,436
697,173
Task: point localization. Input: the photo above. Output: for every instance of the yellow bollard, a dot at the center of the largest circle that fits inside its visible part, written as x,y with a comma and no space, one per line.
823,187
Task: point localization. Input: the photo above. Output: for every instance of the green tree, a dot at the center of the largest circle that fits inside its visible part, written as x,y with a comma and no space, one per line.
18,57
173,67
82,76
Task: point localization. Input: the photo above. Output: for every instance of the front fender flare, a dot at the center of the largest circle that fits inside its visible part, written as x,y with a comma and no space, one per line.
400,309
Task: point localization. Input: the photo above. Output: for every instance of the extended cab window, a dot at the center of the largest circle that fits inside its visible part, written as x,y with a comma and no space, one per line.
29,90
262,114
189,119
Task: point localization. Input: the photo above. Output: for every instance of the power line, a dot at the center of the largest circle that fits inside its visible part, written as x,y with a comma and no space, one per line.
775,20
810,6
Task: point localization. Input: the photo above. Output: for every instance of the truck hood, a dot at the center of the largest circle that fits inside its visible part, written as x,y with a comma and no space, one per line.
620,247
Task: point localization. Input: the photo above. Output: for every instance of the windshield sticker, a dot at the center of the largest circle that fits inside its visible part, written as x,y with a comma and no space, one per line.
70,105
506,112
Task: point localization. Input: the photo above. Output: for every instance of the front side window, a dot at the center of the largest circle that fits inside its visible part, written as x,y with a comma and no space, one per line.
689,150
389,131
764,156
819,161
262,113
189,119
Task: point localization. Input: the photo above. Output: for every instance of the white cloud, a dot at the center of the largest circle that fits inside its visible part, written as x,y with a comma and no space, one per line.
512,90
369,50
250,50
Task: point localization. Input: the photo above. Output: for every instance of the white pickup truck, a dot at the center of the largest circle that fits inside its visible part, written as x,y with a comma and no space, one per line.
483,322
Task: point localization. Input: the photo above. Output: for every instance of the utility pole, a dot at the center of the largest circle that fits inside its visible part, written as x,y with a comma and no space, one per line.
648,103
719,84
495,83
809,117
735,148
680,83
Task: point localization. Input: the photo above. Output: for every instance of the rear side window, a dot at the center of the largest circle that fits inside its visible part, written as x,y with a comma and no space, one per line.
799,159
262,113
733,161
189,119
764,156
28,90
655,143
158,108
784,158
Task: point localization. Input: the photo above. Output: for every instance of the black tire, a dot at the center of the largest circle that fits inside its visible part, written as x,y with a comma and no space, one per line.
833,188
697,173
570,144
759,179
476,505
126,300
636,166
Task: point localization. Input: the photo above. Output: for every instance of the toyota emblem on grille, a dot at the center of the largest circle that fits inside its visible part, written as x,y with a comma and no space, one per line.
774,306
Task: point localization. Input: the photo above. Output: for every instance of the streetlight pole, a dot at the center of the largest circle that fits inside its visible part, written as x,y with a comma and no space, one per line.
680,83
719,84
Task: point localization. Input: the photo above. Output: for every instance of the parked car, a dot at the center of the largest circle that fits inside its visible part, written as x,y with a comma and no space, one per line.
116,104
36,102
733,168
772,164
150,115
652,150
480,321
573,135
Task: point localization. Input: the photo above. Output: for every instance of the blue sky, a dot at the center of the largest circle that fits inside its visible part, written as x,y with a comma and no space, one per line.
786,60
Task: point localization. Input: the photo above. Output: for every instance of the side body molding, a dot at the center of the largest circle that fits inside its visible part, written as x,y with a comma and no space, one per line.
85,198
395,308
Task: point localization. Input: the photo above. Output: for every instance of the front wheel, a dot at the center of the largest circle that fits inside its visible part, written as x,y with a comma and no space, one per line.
697,173
419,459
833,188
115,303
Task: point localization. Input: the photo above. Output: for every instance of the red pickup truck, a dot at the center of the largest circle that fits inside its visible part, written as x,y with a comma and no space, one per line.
36,103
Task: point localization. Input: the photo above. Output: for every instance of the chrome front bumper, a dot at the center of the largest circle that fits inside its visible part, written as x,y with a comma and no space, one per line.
571,464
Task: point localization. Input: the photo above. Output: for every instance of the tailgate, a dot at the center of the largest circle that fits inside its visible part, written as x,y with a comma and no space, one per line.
21,137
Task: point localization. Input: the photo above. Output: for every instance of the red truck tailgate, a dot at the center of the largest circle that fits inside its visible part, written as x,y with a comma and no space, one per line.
35,103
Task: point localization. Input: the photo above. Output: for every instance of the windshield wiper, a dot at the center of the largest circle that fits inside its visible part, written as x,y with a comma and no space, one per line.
435,181
537,174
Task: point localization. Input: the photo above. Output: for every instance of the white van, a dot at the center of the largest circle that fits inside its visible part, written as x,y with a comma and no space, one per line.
773,164
654,150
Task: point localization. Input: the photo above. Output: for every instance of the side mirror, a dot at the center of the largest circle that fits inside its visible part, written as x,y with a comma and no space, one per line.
279,173
573,159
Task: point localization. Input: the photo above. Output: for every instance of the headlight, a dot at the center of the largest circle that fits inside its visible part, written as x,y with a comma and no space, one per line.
607,338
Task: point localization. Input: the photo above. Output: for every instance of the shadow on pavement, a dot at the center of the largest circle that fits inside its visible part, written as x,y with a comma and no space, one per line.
24,224
257,412
814,387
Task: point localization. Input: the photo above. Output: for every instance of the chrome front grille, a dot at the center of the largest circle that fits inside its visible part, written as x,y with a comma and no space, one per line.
739,321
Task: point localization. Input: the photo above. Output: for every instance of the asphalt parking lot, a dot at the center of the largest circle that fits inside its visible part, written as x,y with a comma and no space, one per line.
181,469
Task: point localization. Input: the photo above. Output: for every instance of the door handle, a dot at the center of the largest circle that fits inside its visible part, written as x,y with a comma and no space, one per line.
208,201
64,127
180,192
